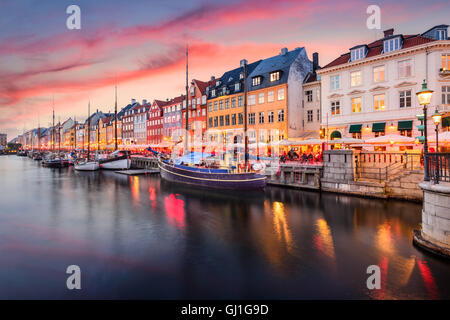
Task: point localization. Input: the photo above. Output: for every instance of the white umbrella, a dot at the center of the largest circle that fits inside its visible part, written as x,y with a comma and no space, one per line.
307,142
285,143
390,139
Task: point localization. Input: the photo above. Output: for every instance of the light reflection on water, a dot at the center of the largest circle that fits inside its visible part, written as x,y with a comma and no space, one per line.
139,237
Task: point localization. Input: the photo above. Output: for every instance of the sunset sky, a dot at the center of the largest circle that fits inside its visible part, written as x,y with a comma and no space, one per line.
140,44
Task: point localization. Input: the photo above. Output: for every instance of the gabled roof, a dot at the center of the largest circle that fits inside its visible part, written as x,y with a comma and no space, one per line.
202,85
176,100
376,48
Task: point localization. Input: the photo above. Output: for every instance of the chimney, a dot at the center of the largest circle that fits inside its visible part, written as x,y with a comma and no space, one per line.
243,62
144,101
388,32
284,51
315,61
213,78
133,101
167,99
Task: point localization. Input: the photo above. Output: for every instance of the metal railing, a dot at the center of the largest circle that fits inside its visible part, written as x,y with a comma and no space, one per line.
438,167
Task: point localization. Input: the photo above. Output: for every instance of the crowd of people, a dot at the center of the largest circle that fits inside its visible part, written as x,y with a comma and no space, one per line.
305,157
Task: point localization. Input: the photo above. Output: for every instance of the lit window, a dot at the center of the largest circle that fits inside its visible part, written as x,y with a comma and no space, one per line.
256,81
378,74
355,78
270,96
261,98
335,107
274,76
280,94
356,105
445,58
378,102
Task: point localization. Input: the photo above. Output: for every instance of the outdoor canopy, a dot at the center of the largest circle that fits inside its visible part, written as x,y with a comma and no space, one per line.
355,128
378,127
405,125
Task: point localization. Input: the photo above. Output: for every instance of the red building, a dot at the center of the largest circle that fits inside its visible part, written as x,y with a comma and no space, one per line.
155,122
197,111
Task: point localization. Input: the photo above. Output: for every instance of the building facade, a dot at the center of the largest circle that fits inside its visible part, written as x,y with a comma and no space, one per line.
3,139
172,122
370,91
155,122
140,122
128,124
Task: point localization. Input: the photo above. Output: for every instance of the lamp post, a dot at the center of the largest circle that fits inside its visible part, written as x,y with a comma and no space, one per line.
424,97
437,120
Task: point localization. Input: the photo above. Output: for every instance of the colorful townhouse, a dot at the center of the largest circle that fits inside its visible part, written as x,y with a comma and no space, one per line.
370,90
172,122
311,104
140,122
128,124
197,109
225,99
155,122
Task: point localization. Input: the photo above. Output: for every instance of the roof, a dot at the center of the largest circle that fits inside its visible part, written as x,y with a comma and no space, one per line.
376,48
202,85
311,77
280,62
160,103
175,100
229,79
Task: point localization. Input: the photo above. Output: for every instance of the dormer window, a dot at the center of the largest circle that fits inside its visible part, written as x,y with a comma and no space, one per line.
391,44
357,53
241,76
274,76
213,92
218,83
230,79
237,86
442,34
256,81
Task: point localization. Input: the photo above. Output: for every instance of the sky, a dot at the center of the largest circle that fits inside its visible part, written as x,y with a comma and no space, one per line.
140,46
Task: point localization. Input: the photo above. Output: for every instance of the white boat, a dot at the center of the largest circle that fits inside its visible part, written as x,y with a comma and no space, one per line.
87,166
118,160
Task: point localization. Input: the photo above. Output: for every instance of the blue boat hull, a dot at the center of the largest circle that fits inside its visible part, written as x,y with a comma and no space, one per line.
234,181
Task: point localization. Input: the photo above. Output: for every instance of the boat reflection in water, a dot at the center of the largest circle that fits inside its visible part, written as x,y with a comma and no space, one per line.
143,238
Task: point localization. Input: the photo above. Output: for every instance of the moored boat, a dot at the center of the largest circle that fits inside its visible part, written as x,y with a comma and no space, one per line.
118,160
85,165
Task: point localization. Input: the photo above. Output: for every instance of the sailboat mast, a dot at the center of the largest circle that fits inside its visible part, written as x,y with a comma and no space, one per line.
39,134
75,133
89,131
187,95
245,116
53,129
59,134
115,122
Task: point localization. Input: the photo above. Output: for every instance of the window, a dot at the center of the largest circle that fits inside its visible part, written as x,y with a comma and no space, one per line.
251,118
356,105
404,69
213,92
221,121
221,105
270,117
261,98
227,104
405,98
379,134
378,102
334,82
233,119
309,95
280,94
274,76
358,53
251,100
441,35
356,135
261,117
406,133
318,115
391,45
240,101
270,97
445,58
227,120
355,78
310,115
233,102
378,74
280,115
216,121
446,95
335,107
237,86
256,81
215,105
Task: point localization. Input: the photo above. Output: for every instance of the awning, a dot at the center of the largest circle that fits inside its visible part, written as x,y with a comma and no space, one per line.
355,128
445,122
405,125
378,127
335,135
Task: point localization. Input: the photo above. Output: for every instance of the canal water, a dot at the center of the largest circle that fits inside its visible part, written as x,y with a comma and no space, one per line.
141,238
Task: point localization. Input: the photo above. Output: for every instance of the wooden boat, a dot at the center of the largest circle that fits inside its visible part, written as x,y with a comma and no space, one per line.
211,178
85,165
118,160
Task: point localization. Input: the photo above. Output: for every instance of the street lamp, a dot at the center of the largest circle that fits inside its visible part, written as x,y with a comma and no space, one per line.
424,97
437,117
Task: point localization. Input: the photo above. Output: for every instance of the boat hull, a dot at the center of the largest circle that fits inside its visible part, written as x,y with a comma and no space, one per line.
120,164
87,166
233,181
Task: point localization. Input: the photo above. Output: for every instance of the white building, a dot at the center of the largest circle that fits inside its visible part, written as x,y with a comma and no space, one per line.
371,90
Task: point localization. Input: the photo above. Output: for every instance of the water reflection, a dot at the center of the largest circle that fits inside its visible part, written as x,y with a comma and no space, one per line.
179,242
